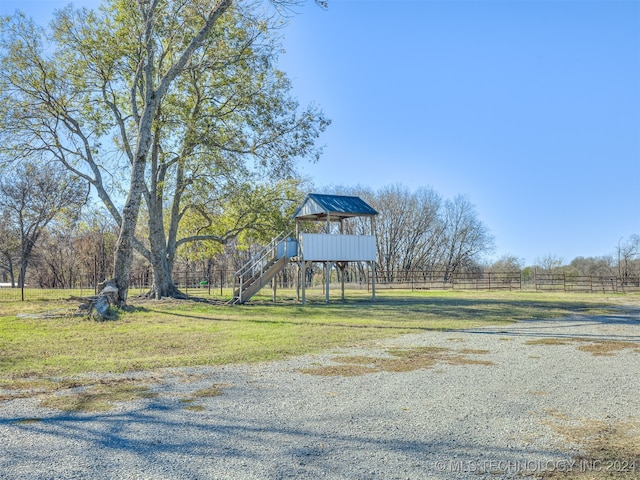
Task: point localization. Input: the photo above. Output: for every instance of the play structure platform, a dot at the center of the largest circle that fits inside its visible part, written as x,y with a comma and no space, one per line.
331,246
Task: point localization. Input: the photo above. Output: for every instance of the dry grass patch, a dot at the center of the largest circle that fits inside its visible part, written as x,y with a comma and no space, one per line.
27,421
97,396
557,414
474,351
608,449
550,341
195,408
340,370
595,347
539,393
31,387
608,347
213,390
399,360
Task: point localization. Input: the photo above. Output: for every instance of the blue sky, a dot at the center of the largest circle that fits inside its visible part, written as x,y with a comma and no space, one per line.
530,108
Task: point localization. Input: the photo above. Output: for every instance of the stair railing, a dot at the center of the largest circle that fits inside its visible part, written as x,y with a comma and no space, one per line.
257,263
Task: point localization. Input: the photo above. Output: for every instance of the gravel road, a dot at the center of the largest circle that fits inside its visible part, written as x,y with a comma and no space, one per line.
485,408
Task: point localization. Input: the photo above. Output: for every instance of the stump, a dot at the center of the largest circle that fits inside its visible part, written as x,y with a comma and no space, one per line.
100,303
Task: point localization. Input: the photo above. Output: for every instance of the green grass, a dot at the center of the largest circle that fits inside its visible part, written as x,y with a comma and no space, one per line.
171,333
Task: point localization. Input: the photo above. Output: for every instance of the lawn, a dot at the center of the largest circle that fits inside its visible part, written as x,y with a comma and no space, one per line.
172,333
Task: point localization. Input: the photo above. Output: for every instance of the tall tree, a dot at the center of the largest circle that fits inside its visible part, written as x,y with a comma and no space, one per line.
465,236
506,263
408,229
31,197
417,231
593,266
550,262
165,98
628,257
9,248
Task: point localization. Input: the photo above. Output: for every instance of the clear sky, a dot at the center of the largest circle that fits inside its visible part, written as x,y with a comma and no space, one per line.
531,108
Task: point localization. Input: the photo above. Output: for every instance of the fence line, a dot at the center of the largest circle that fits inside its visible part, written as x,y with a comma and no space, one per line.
586,283
218,283
441,280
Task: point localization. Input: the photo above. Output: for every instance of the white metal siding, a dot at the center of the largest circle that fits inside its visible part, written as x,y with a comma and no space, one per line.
310,207
345,248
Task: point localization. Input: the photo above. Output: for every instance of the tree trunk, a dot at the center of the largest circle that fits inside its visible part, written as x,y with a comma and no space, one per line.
21,275
24,262
163,285
124,246
162,265
8,273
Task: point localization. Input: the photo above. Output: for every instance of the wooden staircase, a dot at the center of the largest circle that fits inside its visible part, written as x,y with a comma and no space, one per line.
259,271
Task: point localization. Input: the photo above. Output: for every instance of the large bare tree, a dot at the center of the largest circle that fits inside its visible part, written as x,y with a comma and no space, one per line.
408,229
418,231
9,248
465,236
31,196
629,257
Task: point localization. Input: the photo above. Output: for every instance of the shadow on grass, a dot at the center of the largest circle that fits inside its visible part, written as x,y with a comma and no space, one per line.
392,312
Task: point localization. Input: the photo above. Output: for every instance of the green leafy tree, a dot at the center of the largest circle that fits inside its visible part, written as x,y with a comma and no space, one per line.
165,104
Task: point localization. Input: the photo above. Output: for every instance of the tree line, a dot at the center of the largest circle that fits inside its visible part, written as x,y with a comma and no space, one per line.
49,226
420,231
146,134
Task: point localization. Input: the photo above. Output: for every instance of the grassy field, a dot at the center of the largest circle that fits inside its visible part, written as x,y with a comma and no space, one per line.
171,333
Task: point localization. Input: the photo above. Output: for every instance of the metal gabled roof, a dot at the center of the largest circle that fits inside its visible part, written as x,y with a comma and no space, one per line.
318,206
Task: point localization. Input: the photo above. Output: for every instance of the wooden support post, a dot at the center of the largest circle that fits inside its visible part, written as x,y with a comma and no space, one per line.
342,266
274,284
327,269
304,282
373,280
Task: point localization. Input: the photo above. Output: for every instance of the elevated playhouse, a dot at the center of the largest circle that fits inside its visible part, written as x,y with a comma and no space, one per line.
330,247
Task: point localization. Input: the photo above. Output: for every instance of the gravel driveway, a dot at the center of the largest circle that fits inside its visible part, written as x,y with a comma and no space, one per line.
485,407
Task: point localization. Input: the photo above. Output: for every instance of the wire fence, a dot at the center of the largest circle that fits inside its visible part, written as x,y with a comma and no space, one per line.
518,280
585,283
215,284
443,280
218,284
